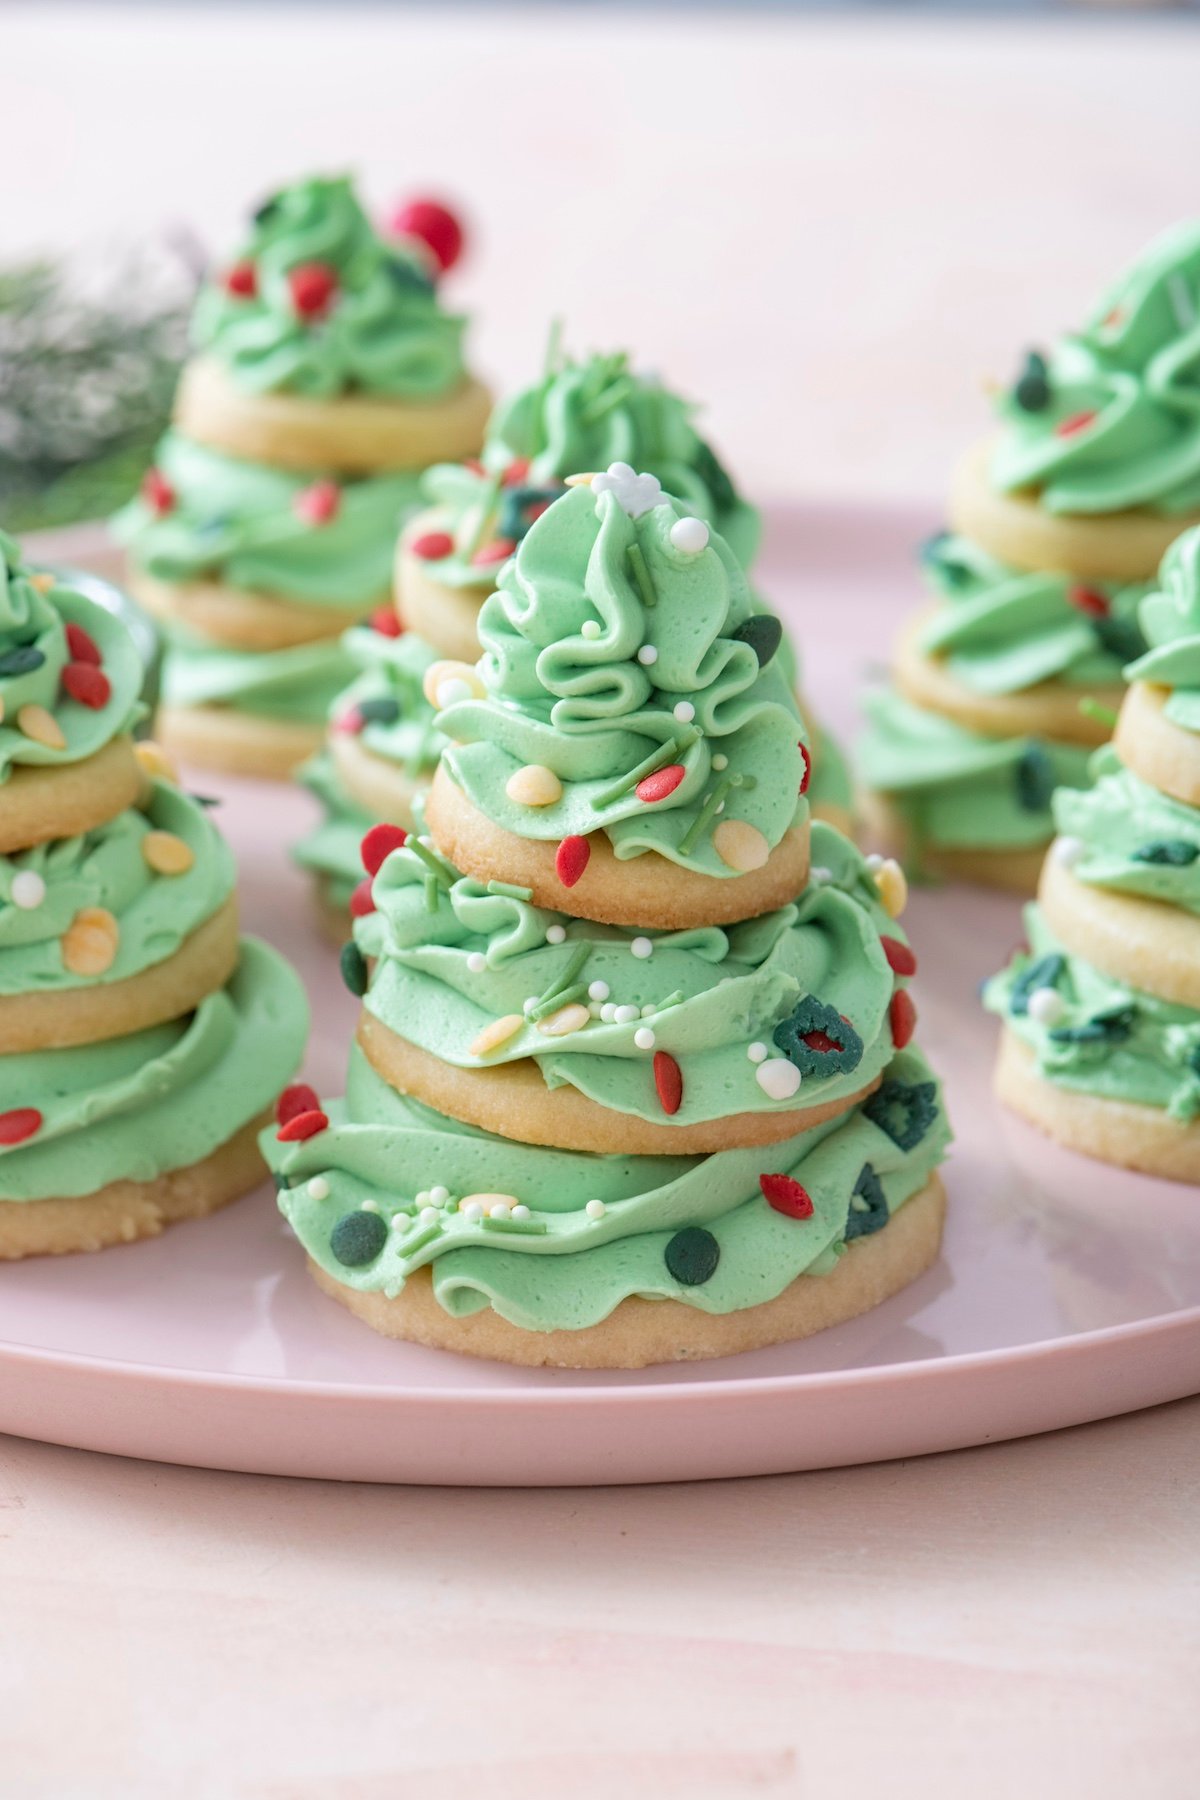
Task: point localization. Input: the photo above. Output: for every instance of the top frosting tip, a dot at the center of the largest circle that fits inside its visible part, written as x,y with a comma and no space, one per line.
317,303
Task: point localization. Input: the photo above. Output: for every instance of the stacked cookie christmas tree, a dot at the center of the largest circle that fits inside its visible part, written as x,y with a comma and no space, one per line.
383,742
633,1078
327,377
1101,1045
1005,684
141,1042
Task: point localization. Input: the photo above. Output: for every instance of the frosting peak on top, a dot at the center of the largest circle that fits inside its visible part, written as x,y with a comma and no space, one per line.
1110,418
1170,620
316,303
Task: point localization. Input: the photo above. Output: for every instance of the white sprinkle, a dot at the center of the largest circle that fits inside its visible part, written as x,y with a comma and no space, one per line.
402,1221
641,947
318,1188
608,1012
453,689
1046,1006
528,1004
689,535
874,861
501,1212
648,1009
429,1215
370,1206
598,990
625,1015
471,1211
28,890
720,761
556,934
476,962
520,1212
756,1052
1068,850
422,1198
438,1196
644,1038
684,711
778,1078
647,655
595,1209
590,628
820,876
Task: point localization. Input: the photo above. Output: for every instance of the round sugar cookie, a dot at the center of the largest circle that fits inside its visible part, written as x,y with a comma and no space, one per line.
643,1332
38,803
446,617
513,1101
646,890
1016,528
1161,754
125,1211
237,743
352,434
1010,871
1145,1138
239,617
380,787
1150,945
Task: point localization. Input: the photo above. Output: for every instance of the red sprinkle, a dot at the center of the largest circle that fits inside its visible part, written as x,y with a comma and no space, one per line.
571,859
473,463
498,551
1077,422
21,1123
317,504
536,508
351,722
516,472
786,1196
83,646
899,956
807,775
313,286
361,900
296,1099
668,1079
435,225
157,492
903,1017
385,622
431,546
87,684
242,280
378,845
660,784
1087,600
302,1125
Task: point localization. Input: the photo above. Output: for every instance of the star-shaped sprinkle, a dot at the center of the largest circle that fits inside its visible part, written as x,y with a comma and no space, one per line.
636,494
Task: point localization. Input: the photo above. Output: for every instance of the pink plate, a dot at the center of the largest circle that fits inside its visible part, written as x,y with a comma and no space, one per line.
1068,1291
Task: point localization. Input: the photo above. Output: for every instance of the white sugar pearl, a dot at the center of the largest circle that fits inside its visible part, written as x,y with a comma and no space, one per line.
595,1209
318,1188
1066,850
720,761
684,711
520,1212
625,1015
422,1198
438,1196
778,1078
874,861
429,1215
648,1009
644,1038
370,1206
402,1221
756,1052
476,962
28,890
641,947
647,655
590,628
608,1012
689,535
598,990
501,1211
555,934
472,1212
453,689
528,1004
819,876
1046,1006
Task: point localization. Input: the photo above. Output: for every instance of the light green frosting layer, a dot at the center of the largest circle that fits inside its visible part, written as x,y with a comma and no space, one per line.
331,850
243,524
33,654
564,1270
706,995
1171,621
1127,835
299,684
135,1107
1116,422
383,331
587,707
106,867
1112,1040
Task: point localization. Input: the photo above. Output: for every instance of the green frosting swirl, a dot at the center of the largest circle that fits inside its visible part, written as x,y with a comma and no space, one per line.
1111,1040
106,867
1171,621
707,996
242,524
1111,418
299,684
1002,630
382,332
135,1107
34,651
1124,834
563,1269
566,687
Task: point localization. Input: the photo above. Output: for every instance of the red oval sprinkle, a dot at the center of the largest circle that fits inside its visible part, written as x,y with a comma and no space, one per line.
378,844
432,546
19,1124
302,1125
296,1099
497,551
312,287
1077,422
900,957
82,645
362,900
473,463
87,684
807,775
571,859
318,504
661,783
385,622
668,1080
351,722
242,280
903,1018
157,492
516,472
1087,600
786,1196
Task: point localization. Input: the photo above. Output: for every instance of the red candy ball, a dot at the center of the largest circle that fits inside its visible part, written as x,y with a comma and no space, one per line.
1087,600
436,227
385,622
378,845
361,900
296,1099
157,492
312,286
318,504
87,684
242,280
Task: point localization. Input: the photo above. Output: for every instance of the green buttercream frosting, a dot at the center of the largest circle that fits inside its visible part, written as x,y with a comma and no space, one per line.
1124,834
106,867
299,684
381,331
135,1107
589,587
579,417
707,996
1110,418
244,524
1171,622
561,1269
331,850
1111,1040
1002,630
34,651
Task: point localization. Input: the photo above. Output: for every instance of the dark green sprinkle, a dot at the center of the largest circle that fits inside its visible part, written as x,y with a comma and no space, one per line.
868,1205
382,710
763,633
1176,853
692,1255
21,661
818,1040
1032,389
715,479
903,1110
1121,637
407,277
283,1183
207,800
353,965
1193,1061
931,553
1034,776
1043,973
1112,1027
357,1238
266,210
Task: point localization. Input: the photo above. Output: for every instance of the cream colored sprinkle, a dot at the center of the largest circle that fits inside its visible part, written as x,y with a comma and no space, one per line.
41,726
43,582
497,1033
446,675
580,480
89,946
488,1203
566,1020
155,762
534,785
166,853
893,888
740,846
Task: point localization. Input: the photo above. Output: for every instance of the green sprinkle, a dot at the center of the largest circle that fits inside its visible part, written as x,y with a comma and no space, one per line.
508,890
432,893
487,505
410,1245
555,1002
1092,709
568,977
671,751
433,864
674,999
641,575
353,966
529,1227
605,402
708,811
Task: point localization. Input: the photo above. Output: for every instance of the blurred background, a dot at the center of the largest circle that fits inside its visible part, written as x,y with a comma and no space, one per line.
828,224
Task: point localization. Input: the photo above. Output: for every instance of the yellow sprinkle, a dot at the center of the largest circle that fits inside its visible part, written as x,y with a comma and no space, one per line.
488,1201
89,946
155,762
581,480
41,726
166,853
740,846
43,582
893,888
440,674
566,1020
497,1033
534,785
